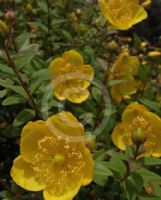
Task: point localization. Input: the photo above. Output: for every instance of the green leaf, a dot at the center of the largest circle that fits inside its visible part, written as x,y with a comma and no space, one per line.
3,93
115,82
150,161
23,117
149,198
96,93
148,175
137,40
151,104
43,6
101,172
67,36
99,155
23,40
12,100
4,68
116,155
24,57
117,166
128,151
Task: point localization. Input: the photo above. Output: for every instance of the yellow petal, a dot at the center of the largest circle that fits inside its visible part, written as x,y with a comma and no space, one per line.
115,93
154,135
68,195
23,174
76,95
73,57
32,133
122,14
129,87
132,111
89,168
88,72
139,14
59,90
118,136
56,66
65,124
125,64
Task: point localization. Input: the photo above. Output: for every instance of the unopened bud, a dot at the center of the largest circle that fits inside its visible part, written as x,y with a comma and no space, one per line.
138,136
112,45
78,12
154,54
28,8
147,4
90,142
4,30
10,16
97,22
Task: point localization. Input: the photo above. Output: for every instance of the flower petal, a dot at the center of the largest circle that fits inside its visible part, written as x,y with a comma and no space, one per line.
65,124
59,90
73,57
116,94
118,136
76,95
132,111
56,66
88,71
32,133
89,168
155,134
138,13
68,195
23,174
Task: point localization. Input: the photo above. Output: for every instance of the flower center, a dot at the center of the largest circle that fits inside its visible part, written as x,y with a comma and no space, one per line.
58,159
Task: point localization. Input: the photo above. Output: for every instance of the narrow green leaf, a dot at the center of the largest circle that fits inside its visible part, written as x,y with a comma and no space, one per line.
151,104
12,100
23,117
150,161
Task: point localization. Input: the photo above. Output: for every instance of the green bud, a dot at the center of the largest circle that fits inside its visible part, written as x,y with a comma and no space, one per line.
112,45
90,142
4,30
138,136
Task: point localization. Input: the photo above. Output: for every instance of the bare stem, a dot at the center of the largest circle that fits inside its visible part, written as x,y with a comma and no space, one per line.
49,24
17,73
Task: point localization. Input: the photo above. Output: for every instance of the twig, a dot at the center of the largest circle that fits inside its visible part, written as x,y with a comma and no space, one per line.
17,73
49,24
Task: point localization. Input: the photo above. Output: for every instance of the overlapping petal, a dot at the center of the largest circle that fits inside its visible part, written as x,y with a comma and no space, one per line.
49,161
134,117
123,14
32,133
125,68
23,174
71,77
65,124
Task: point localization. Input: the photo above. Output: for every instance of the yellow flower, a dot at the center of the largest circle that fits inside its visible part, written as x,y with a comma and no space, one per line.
138,117
122,14
71,77
124,68
50,161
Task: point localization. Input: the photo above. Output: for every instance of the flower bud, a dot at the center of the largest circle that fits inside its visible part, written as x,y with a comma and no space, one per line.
4,30
112,45
147,4
28,8
90,142
78,12
138,136
10,16
97,22
154,54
